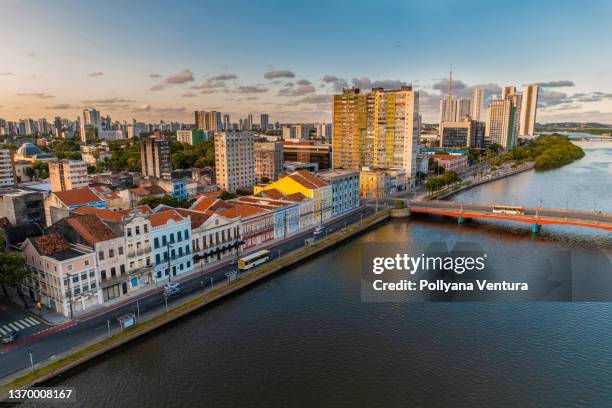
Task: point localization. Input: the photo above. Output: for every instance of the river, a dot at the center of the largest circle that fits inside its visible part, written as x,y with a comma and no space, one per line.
305,338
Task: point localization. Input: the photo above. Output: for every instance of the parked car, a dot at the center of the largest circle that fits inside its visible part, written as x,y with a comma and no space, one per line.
10,336
319,230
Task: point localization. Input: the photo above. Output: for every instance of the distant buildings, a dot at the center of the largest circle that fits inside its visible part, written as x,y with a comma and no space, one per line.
59,203
452,162
464,133
193,136
31,153
376,129
7,170
268,160
477,103
90,125
208,120
529,106
155,158
235,160
264,122
67,175
381,183
501,127
111,135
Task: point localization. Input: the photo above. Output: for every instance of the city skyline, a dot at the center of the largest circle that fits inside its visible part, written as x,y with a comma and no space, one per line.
289,61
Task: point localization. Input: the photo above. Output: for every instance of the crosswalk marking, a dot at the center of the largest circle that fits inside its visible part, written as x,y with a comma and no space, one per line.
19,325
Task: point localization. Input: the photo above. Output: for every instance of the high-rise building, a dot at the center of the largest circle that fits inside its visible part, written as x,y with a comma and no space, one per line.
448,105
463,133
192,137
463,108
268,160
376,129
7,170
67,175
91,120
529,105
156,158
477,102
264,122
501,119
234,161
249,122
208,120
226,122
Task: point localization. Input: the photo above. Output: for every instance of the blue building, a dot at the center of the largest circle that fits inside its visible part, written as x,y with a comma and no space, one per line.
172,244
345,189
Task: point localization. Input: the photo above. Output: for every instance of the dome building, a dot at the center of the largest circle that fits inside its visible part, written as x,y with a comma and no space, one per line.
30,152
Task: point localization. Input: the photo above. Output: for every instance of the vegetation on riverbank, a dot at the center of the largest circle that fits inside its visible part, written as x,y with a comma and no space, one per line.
548,152
439,182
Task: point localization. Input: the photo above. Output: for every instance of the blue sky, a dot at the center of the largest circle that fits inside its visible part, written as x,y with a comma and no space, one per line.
162,59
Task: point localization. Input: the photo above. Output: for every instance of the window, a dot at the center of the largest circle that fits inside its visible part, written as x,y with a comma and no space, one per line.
92,274
137,230
93,285
84,276
158,274
167,271
65,281
156,243
186,249
77,291
101,255
186,234
172,238
164,242
182,267
120,250
146,228
113,272
75,278
86,263
122,269
179,236
181,251
157,259
129,232
188,264
103,274
111,253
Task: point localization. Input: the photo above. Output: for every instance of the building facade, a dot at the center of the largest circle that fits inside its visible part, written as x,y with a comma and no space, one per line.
67,175
268,160
235,160
529,106
7,168
155,158
172,246
464,133
345,189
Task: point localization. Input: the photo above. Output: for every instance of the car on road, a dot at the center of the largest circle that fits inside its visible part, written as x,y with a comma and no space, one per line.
232,262
319,230
9,337
172,288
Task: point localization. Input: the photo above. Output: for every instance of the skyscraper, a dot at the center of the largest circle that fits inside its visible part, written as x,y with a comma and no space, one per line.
67,175
208,120
155,157
376,129
91,121
264,121
226,122
477,102
234,161
464,108
448,106
529,105
501,119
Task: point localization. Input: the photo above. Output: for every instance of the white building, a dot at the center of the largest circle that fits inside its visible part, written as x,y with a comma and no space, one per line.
235,160
172,246
477,103
529,105
7,176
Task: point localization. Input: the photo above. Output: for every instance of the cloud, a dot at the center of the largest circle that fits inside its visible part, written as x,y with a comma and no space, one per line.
157,87
337,83
6,73
442,85
330,78
555,84
366,83
312,99
208,91
304,82
224,77
40,95
32,54
107,101
250,89
298,91
210,84
189,95
182,77
279,74
251,98
60,106
95,74
154,76
548,98
159,111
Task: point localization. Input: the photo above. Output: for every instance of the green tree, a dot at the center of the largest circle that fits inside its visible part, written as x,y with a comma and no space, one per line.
13,271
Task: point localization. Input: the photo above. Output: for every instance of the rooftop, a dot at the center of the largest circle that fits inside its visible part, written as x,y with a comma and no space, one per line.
79,196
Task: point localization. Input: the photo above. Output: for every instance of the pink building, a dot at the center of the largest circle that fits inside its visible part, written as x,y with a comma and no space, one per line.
452,162
64,276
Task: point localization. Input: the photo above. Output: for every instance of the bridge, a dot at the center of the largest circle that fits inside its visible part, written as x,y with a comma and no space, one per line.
534,216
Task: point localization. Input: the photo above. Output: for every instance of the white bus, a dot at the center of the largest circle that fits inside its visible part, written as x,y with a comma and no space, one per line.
251,261
508,209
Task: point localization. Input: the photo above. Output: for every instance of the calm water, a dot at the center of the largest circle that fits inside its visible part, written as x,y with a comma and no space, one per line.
305,338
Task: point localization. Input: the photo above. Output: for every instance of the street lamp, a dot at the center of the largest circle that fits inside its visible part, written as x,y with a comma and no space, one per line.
31,359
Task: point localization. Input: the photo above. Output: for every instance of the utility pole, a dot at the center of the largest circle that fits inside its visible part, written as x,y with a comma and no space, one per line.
138,308
108,327
31,360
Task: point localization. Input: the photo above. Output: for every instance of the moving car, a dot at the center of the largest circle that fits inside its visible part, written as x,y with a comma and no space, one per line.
319,230
9,337
172,288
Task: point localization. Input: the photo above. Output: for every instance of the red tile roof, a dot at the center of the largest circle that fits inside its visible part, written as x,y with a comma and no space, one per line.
242,210
100,212
272,193
162,218
197,217
307,179
203,204
49,244
139,191
91,228
295,197
80,196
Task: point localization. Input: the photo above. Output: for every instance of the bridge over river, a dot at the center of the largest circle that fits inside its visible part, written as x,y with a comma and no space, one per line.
534,216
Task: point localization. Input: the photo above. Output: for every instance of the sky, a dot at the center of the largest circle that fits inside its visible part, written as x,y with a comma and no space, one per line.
153,60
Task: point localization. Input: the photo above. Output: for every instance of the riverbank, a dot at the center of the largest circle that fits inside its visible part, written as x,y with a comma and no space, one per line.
84,353
459,187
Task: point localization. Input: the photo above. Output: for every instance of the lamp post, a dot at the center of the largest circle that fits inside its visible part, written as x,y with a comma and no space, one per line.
108,327
31,359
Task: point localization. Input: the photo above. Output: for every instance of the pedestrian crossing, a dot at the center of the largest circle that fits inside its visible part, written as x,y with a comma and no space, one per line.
18,325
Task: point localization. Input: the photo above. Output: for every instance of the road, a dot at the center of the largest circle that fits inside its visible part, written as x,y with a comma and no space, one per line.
61,338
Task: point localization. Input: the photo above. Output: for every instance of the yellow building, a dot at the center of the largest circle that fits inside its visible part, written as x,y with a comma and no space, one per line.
378,129
308,184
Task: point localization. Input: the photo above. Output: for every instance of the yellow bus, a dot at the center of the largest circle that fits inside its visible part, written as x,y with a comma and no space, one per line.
254,259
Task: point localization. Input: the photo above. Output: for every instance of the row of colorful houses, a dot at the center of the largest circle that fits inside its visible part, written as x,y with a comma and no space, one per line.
91,255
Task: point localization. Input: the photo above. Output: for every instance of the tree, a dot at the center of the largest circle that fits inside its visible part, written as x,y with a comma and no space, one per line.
12,271
227,195
264,180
